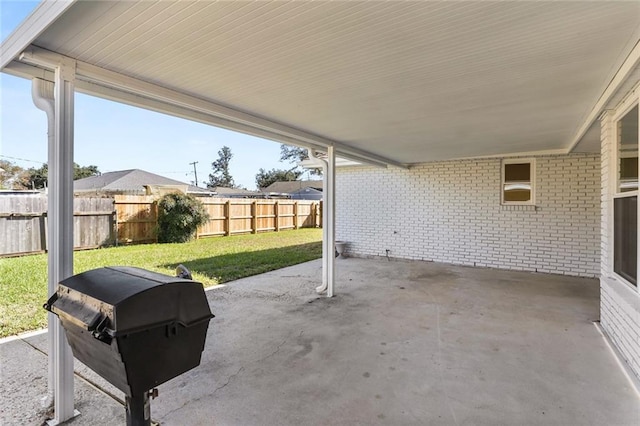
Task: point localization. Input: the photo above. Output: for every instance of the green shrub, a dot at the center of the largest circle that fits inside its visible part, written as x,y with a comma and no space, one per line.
179,216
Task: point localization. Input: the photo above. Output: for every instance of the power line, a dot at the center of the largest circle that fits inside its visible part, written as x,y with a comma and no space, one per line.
23,159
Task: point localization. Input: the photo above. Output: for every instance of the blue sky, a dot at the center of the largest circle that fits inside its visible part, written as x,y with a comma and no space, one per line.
114,136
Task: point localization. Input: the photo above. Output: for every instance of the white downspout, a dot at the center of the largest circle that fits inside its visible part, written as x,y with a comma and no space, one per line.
328,220
42,95
323,163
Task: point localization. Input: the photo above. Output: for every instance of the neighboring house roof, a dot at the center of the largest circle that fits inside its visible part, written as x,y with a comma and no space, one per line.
222,191
306,194
292,186
130,182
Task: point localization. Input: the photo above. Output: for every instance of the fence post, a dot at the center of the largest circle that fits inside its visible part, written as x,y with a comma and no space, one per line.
276,219
44,232
113,231
295,215
155,211
227,217
254,217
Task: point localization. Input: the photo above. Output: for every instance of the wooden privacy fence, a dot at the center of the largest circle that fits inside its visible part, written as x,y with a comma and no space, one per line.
137,217
130,219
233,216
23,223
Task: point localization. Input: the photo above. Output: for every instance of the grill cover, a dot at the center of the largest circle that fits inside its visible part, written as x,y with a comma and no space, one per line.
135,328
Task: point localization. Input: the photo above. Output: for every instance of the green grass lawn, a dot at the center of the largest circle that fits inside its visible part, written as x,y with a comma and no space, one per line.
23,280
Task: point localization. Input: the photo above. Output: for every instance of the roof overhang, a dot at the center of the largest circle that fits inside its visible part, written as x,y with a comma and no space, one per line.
383,83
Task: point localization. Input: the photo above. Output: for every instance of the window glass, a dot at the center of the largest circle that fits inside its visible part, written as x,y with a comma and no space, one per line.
628,151
517,182
625,237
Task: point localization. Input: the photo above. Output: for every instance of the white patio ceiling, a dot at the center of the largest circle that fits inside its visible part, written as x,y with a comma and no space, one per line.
401,82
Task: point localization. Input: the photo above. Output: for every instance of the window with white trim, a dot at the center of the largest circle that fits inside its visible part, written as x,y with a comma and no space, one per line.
625,203
518,181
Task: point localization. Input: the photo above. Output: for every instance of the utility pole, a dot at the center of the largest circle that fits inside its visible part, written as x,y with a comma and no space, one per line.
195,171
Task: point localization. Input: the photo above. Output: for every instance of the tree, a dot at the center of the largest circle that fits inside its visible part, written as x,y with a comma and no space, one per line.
12,176
265,178
83,172
179,216
37,178
295,154
220,175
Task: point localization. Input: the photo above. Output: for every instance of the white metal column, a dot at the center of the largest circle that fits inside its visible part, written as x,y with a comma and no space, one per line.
330,210
60,224
328,219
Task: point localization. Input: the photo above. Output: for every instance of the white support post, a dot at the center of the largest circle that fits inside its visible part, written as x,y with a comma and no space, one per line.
325,241
57,102
328,219
61,228
330,212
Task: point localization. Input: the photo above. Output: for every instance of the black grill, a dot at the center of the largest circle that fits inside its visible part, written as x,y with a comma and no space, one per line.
135,328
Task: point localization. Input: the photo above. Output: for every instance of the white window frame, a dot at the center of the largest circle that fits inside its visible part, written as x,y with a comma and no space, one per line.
532,178
614,184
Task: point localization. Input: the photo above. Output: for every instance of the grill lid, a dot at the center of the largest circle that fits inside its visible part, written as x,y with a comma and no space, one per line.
122,300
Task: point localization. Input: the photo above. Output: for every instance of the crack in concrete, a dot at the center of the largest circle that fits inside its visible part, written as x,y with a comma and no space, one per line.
231,377
226,383
274,352
82,377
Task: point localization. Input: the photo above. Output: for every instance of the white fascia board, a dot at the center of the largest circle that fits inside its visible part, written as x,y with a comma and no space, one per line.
23,70
45,14
315,164
627,67
560,151
233,119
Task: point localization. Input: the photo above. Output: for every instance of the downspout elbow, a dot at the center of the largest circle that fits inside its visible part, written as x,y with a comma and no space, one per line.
42,95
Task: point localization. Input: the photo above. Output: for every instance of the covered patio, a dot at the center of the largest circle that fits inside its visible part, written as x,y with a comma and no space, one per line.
502,128
404,342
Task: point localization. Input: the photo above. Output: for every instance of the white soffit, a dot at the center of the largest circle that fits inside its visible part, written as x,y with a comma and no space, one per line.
407,81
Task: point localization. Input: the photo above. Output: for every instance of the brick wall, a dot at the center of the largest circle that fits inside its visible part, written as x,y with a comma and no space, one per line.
450,212
620,319
619,302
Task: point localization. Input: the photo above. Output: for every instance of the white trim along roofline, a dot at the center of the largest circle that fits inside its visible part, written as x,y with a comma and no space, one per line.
45,14
33,62
630,63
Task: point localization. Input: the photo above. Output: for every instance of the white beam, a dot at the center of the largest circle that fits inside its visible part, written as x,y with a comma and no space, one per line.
627,67
238,119
46,13
24,70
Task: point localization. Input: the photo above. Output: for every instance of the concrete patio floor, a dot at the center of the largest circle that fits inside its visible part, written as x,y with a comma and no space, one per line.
402,343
